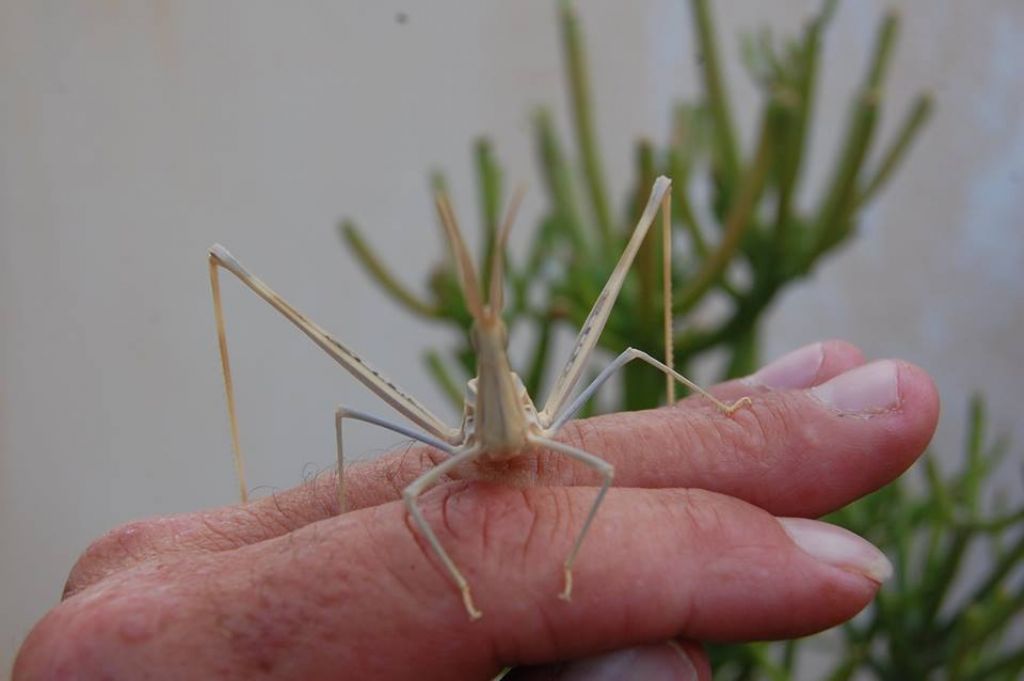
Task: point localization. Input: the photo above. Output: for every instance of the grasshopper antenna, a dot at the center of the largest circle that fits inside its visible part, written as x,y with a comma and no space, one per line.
496,290
467,273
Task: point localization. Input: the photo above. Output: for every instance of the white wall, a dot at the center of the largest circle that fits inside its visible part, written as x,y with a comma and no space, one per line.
135,134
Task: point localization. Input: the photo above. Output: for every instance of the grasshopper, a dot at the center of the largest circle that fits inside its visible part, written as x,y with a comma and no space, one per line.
500,421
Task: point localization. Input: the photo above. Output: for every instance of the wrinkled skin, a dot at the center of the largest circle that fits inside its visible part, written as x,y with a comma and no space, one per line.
687,547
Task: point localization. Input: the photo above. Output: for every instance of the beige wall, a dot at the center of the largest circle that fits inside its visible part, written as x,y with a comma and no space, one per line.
135,134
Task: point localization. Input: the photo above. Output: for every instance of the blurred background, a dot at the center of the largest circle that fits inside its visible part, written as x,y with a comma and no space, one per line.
133,135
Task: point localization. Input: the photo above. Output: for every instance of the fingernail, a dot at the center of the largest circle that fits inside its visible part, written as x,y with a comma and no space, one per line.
661,662
870,388
838,547
795,369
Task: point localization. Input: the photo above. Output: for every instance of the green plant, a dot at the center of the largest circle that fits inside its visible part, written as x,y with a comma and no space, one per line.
745,243
932,621
751,239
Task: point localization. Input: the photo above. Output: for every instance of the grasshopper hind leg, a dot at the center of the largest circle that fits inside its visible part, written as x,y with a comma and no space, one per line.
410,496
607,472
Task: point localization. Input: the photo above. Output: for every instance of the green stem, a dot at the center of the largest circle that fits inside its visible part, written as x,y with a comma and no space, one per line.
937,583
681,204
885,41
912,125
717,97
993,616
1006,563
695,342
834,219
558,181
449,386
646,264
993,525
796,144
766,665
736,224
976,467
789,656
586,139
489,187
380,273
1012,662
744,360
541,353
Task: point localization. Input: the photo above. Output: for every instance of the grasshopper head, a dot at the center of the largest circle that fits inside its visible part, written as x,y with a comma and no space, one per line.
489,337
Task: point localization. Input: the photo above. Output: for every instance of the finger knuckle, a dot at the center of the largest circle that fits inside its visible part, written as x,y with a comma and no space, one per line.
54,649
589,435
498,534
496,523
93,636
121,547
510,540
755,436
697,514
396,471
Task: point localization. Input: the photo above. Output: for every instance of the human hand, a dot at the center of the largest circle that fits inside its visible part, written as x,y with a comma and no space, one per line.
689,546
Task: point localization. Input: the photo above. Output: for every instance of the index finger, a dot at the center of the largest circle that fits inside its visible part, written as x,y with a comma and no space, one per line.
788,453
